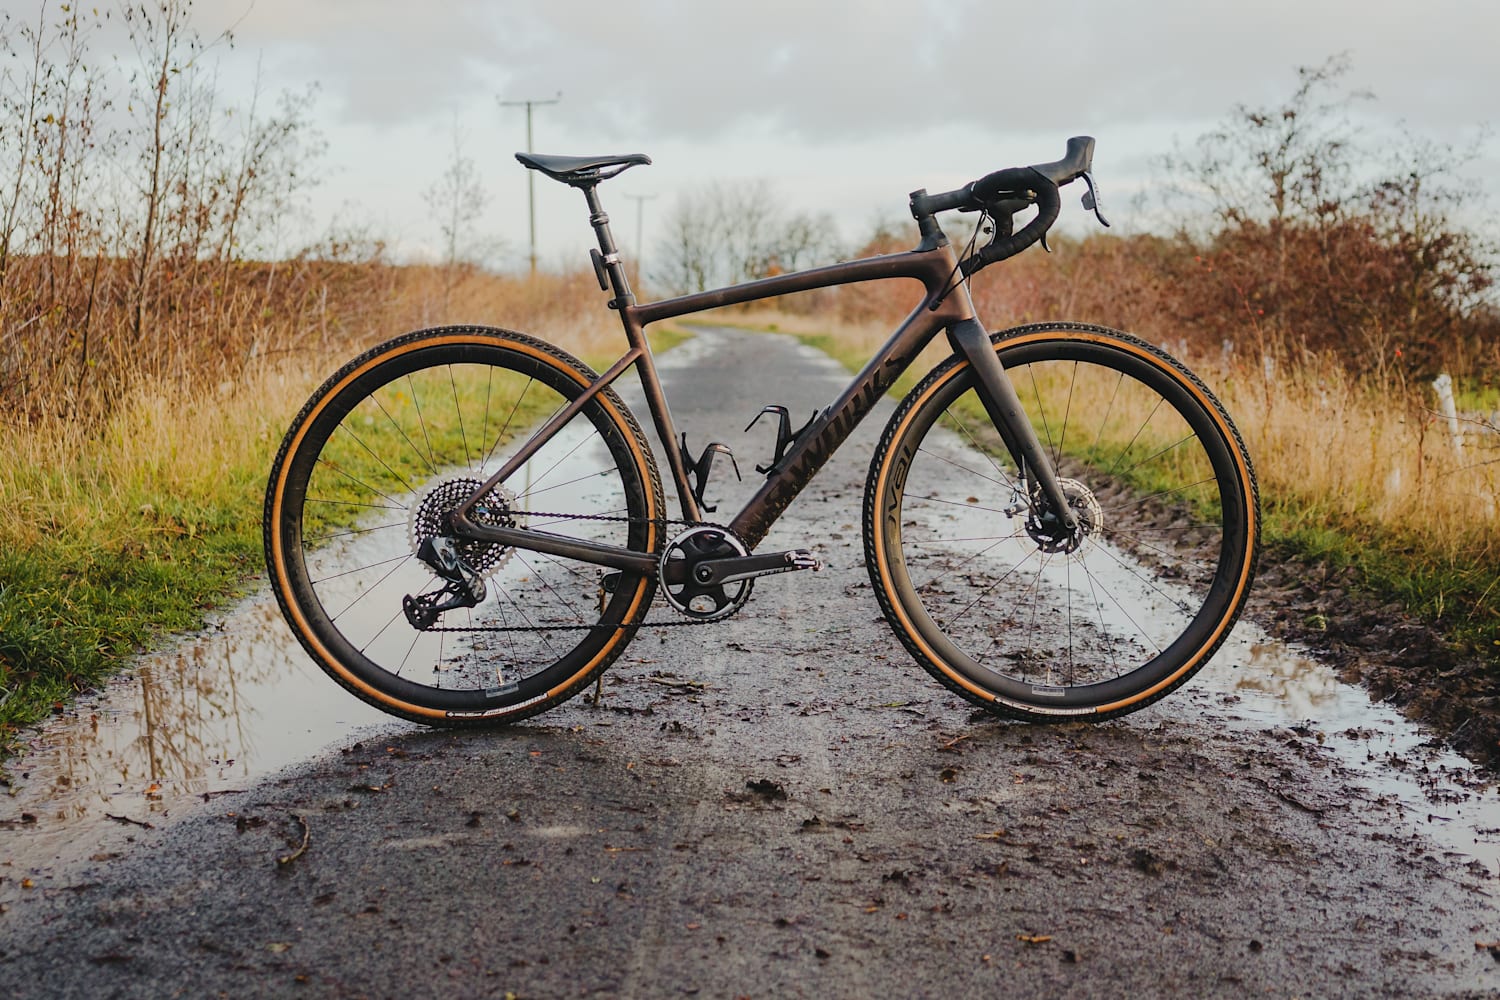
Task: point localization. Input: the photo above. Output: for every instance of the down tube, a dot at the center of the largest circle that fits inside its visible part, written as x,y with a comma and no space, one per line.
834,425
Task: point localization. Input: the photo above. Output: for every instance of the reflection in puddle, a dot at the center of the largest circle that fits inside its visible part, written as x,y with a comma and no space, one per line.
1259,683
242,700
230,705
221,710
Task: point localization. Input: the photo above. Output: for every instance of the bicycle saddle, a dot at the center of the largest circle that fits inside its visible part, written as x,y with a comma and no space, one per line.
578,170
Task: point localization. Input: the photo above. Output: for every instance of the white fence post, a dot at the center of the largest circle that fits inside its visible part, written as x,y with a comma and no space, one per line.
1443,386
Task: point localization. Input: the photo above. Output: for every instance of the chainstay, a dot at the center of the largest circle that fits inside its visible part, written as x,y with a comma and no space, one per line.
598,626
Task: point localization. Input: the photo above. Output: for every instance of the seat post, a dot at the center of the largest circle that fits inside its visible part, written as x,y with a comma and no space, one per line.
607,257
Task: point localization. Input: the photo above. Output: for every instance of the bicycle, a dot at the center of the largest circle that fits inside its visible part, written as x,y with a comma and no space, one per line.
466,525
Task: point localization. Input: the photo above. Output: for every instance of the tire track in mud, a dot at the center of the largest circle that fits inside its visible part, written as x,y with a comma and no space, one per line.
781,804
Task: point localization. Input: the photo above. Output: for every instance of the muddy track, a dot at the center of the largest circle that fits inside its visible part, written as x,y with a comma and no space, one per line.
782,804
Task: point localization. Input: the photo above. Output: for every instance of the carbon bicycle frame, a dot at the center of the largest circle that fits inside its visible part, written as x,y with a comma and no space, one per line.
945,306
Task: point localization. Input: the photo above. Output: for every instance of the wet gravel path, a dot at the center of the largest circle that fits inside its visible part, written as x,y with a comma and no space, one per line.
779,805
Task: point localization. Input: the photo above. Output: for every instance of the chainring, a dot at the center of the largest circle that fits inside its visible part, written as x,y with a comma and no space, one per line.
687,596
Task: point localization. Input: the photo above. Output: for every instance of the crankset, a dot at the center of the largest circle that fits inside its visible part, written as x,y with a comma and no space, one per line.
707,573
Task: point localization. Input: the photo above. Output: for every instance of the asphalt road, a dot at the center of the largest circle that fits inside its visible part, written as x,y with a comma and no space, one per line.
779,805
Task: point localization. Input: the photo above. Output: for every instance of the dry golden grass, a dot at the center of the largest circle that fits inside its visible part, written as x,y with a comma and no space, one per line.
1358,457
216,426
138,518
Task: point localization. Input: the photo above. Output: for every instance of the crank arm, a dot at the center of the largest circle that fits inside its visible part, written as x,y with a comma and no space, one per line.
720,571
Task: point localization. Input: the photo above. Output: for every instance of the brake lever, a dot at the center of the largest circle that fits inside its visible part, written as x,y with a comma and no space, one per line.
1091,200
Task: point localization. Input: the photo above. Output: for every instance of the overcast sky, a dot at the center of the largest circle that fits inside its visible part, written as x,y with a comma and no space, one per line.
841,104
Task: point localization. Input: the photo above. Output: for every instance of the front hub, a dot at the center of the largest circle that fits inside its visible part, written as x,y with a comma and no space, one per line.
1048,530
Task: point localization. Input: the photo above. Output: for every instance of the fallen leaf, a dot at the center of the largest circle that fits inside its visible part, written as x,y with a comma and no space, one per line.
766,788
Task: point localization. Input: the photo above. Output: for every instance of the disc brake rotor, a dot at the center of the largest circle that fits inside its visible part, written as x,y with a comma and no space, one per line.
1051,536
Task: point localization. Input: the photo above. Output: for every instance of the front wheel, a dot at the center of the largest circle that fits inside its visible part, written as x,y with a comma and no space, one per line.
361,493
991,600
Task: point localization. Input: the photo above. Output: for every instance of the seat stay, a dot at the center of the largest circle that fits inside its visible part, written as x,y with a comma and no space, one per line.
536,442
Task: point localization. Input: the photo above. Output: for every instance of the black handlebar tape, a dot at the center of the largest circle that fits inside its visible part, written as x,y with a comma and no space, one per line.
1048,204
1011,180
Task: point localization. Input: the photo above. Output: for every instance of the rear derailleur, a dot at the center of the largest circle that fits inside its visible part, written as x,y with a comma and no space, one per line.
464,587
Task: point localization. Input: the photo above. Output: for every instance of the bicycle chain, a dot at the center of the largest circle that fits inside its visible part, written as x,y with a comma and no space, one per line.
663,521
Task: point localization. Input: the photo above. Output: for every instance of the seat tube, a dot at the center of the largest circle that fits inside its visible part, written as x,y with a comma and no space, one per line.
661,415
607,266
998,394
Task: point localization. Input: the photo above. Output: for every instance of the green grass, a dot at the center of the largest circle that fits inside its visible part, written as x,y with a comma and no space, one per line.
1474,396
405,432
128,544
76,604
1458,591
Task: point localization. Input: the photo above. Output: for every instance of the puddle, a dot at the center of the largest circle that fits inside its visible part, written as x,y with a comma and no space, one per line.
1264,687
207,716
1262,684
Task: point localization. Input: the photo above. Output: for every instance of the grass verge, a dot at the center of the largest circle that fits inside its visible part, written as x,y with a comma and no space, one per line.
138,532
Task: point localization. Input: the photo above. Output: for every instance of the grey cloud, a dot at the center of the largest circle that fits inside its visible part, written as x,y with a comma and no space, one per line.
835,69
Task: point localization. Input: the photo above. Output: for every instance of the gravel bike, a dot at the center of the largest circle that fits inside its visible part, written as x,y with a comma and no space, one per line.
466,525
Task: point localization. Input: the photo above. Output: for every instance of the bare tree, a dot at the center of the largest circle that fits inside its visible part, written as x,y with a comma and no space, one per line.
686,257
727,233
20,98
456,199
1322,236
167,45
110,222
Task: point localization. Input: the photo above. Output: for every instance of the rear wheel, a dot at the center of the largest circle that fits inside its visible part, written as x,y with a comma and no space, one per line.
1026,621
371,469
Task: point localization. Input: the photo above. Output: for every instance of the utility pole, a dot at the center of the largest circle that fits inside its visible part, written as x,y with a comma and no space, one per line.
531,174
640,201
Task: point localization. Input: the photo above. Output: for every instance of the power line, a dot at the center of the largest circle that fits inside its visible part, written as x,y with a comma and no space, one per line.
640,201
531,174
